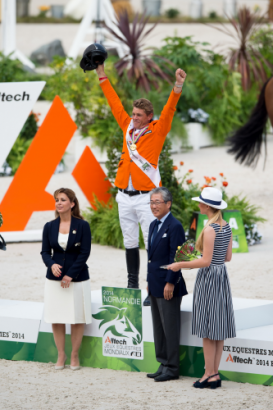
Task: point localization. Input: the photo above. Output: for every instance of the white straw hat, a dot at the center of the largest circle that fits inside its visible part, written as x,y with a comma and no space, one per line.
212,197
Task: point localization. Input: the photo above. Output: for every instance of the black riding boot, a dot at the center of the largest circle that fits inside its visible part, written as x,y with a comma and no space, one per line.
133,262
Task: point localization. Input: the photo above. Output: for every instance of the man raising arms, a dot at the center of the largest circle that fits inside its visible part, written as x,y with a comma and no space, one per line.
138,171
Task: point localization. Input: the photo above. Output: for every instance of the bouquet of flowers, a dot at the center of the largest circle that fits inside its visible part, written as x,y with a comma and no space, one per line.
186,252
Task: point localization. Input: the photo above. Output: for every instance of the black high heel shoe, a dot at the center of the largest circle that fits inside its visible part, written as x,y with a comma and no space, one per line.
201,385
215,383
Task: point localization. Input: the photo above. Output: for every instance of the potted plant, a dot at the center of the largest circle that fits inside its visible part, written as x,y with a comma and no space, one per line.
197,132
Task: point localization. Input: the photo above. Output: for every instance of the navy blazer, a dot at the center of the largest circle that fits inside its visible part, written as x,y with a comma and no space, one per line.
162,252
73,259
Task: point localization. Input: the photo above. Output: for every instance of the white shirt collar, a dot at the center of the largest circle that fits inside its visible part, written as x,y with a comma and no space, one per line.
164,217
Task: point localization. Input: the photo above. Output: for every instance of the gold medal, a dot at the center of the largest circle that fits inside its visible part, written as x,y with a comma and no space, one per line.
133,146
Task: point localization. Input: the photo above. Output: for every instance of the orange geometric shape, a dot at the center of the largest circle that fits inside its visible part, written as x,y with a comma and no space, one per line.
26,193
193,225
229,358
91,178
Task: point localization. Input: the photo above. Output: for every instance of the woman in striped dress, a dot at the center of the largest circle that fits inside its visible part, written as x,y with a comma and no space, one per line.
213,316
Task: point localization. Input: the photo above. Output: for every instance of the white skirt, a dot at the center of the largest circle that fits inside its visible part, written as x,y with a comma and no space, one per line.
67,305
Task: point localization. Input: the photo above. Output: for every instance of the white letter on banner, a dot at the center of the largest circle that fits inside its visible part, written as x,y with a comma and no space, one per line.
233,223
16,102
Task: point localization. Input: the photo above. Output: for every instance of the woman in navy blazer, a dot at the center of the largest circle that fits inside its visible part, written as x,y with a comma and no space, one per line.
65,249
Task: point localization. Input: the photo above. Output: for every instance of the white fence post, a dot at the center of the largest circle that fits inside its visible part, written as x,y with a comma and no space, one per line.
230,8
9,33
196,9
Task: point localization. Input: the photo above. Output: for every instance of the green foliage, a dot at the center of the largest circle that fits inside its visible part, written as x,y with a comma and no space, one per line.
249,212
41,18
10,69
1,220
22,143
17,153
172,13
104,221
14,71
209,86
93,115
213,15
114,149
262,40
166,166
105,226
30,127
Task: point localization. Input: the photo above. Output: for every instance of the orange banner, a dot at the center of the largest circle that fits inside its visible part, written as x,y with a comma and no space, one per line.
26,193
91,178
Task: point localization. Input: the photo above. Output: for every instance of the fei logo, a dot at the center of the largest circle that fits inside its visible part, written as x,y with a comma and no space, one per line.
115,322
44,154
120,323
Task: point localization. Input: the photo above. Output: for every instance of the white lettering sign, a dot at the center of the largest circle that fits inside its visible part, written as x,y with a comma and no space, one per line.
233,223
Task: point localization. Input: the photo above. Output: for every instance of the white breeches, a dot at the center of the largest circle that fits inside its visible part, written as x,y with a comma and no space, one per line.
132,211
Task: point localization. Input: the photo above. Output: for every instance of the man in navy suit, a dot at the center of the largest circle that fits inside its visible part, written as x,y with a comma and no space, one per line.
165,287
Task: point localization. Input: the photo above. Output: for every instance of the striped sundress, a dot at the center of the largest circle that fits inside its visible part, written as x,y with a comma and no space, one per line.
213,315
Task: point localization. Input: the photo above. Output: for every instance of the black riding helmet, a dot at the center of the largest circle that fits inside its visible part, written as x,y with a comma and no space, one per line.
2,243
93,56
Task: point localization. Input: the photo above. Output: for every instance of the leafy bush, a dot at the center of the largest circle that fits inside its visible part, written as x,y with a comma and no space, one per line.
13,71
210,86
249,212
213,15
105,226
262,40
23,142
104,221
172,13
93,115
17,153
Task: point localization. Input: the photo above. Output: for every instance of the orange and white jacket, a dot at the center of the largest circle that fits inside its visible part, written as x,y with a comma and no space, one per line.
150,144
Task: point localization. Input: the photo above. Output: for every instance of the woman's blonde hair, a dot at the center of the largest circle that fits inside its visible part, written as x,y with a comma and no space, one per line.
217,215
75,211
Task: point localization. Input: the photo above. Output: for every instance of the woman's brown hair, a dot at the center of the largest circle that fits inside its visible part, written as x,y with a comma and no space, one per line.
75,211
216,216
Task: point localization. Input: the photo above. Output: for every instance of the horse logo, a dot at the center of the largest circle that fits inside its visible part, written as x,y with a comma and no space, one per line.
114,320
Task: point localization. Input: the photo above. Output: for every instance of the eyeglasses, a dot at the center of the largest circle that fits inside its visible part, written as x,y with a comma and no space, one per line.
156,202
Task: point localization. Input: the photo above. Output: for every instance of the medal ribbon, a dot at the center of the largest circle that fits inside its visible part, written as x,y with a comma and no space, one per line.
135,140
144,165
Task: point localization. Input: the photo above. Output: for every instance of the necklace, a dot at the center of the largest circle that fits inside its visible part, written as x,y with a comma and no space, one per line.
133,146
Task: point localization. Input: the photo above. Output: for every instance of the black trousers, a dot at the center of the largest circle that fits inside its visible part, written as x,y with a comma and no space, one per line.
166,325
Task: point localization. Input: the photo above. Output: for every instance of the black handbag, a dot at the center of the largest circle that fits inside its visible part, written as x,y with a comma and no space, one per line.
3,244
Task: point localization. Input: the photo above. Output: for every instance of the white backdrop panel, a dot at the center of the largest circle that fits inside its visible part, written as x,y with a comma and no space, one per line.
16,103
